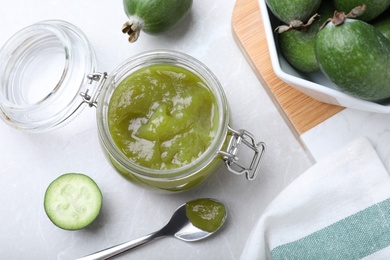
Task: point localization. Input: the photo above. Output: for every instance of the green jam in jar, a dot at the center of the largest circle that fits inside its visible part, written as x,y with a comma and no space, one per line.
163,116
206,214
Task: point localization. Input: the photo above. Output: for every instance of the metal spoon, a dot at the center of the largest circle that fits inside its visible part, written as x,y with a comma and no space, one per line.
179,226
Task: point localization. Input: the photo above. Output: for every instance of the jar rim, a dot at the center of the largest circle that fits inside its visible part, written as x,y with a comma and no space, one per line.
163,57
56,51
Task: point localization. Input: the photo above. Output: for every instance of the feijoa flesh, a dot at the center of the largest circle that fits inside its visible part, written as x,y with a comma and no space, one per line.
297,45
73,201
293,13
355,56
374,7
154,16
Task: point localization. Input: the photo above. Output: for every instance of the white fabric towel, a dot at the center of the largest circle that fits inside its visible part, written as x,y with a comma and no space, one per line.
337,209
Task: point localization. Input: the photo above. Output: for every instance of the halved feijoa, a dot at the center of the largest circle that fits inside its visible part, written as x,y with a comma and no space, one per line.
73,201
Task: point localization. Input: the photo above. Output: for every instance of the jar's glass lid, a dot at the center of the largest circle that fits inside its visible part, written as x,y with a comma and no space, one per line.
43,70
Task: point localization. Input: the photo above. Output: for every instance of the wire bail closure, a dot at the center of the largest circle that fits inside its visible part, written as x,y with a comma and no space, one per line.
91,100
231,159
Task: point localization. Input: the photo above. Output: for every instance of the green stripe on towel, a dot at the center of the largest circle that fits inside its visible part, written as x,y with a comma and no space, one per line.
354,237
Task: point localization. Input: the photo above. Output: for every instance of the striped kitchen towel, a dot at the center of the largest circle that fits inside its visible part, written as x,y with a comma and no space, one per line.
339,209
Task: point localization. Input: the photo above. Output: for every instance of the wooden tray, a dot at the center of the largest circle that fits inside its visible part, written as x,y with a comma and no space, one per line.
301,112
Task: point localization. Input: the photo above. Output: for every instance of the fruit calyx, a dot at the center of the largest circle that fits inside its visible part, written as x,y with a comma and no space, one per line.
297,24
339,17
133,28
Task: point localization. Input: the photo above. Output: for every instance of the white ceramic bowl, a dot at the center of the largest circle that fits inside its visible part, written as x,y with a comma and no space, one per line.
315,85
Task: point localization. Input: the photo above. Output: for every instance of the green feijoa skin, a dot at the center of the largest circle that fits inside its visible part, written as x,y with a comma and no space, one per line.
356,57
289,11
373,7
154,16
382,23
297,45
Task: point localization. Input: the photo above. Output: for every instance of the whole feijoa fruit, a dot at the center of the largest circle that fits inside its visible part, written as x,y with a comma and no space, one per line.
297,45
355,56
382,23
374,7
154,16
293,12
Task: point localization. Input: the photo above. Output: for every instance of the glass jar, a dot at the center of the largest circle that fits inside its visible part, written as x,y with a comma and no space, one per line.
43,69
72,82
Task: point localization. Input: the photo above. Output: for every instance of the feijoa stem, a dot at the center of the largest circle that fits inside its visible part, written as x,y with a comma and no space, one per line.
296,24
339,17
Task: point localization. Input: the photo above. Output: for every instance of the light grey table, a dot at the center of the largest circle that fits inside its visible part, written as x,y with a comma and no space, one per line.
28,162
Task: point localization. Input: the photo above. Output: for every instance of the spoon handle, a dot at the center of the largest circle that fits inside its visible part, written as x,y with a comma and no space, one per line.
118,249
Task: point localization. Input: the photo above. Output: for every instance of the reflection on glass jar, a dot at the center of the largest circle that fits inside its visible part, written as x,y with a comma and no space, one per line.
43,69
